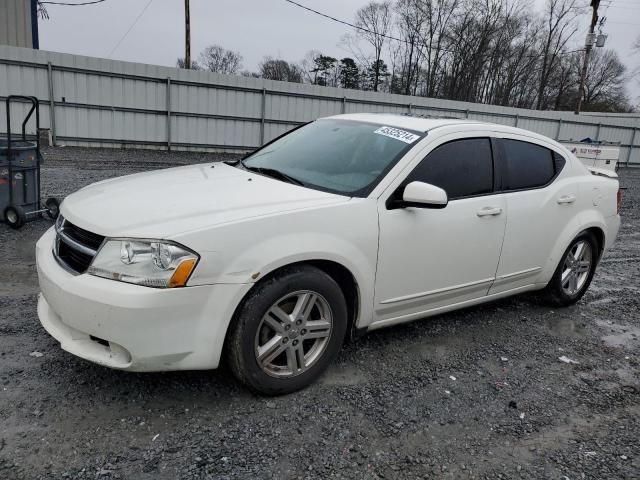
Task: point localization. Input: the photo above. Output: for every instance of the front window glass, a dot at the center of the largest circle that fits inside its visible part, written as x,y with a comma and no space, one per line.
341,156
463,168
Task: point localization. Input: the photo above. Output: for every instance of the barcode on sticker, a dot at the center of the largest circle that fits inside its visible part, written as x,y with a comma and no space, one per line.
402,135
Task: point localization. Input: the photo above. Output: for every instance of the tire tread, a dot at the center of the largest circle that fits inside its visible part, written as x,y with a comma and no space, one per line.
248,307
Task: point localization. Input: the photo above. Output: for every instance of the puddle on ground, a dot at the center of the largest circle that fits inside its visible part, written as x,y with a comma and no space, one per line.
439,348
619,335
628,378
343,375
21,280
565,326
429,350
603,300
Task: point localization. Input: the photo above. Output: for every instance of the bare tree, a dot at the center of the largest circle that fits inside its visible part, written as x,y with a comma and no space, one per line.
559,27
308,66
374,21
487,51
277,69
564,80
410,19
42,11
604,84
220,60
180,63
437,16
474,36
636,71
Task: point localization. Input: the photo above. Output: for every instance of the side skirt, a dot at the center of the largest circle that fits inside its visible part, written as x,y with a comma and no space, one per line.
454,306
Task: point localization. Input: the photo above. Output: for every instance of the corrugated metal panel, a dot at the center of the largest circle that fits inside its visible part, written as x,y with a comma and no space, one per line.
578,132
113,103
15,23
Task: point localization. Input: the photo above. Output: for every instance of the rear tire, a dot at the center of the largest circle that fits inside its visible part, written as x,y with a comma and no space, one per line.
574,272
53,207
287,331
15,216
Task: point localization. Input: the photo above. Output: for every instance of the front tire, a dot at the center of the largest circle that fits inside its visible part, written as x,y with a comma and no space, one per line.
287,331
575,271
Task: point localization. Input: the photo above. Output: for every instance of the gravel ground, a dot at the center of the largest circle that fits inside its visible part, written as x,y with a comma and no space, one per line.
479,393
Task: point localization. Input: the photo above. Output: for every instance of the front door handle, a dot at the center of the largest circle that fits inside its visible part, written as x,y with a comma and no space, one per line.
566,199
489,211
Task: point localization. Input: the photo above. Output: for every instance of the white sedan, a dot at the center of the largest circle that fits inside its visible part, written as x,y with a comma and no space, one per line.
344,225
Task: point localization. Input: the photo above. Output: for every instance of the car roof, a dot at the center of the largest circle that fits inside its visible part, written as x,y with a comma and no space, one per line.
421,124
424,124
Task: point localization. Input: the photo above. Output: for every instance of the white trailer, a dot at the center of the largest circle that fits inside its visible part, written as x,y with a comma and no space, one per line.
599,155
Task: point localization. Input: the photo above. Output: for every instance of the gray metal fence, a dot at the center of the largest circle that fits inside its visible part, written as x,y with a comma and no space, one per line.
97,102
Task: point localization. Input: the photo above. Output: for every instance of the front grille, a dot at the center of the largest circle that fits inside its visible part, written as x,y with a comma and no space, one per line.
75,246
75,260
82,236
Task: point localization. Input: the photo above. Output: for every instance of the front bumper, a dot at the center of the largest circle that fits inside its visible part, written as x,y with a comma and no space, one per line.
131,327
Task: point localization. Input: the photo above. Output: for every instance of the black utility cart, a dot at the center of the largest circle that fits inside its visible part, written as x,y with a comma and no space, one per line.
20,172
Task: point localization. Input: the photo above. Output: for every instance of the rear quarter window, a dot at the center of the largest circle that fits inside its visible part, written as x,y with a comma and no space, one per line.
528,165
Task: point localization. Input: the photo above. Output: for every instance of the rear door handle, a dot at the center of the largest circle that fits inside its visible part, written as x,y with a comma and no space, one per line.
489,211
566,199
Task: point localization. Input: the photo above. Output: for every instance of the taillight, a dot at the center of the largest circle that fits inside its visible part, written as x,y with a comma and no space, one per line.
618,200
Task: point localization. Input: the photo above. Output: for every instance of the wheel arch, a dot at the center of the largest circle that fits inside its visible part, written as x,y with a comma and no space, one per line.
574,228
598,232
341,274
349,286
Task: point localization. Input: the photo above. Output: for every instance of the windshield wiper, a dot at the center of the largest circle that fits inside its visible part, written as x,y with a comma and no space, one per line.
273,173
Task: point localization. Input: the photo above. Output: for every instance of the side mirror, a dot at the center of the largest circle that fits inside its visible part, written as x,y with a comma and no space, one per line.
424,195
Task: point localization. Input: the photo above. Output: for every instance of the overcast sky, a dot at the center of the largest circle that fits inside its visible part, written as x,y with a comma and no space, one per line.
255,28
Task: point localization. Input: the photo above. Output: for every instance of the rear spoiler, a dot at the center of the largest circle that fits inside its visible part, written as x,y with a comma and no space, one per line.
602,172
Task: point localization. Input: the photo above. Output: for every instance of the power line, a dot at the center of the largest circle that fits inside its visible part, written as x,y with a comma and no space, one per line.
130,28
345,22
357,27
624,7
72,4
623,23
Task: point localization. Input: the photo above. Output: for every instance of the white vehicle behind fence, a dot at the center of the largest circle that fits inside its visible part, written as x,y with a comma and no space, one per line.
345,225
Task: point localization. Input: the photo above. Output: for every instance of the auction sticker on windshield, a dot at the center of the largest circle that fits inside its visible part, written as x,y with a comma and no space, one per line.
402,135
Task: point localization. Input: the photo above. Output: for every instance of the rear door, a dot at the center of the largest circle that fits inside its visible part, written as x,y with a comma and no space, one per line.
540,202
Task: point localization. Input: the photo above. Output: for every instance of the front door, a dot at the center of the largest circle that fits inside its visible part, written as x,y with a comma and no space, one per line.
431,258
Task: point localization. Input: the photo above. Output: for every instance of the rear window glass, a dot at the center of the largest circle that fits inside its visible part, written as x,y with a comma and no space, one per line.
528,165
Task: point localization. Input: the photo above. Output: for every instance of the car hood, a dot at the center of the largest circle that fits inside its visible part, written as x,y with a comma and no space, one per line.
167,202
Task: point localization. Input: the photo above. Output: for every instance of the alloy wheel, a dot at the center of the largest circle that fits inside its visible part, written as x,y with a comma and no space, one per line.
293,334
576,268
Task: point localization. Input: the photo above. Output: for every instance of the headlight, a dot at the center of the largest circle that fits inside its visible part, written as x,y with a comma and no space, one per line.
152,263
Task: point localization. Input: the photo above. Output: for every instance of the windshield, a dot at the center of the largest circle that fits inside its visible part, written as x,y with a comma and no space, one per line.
341,156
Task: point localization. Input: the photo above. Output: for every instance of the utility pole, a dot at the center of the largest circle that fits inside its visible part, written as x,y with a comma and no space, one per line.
591,37
187,36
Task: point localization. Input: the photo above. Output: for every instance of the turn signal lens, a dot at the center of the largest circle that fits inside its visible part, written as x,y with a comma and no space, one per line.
181,273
